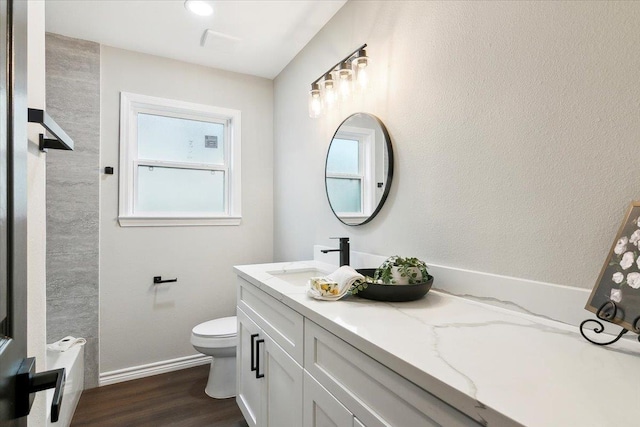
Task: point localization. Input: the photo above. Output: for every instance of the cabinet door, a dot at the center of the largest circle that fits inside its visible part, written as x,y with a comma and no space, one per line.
321,409
248,394
282,392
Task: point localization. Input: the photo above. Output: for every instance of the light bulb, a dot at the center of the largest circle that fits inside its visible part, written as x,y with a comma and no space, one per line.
362,78
315,101
329,90
345,74
201,8
345,87
360,63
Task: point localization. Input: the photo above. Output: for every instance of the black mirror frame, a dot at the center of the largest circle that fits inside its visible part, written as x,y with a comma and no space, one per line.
388,181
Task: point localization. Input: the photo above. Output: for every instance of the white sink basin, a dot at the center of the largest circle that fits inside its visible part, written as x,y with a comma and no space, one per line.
298,277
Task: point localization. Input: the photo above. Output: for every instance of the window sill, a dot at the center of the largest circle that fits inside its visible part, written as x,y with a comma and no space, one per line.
161,221
352,219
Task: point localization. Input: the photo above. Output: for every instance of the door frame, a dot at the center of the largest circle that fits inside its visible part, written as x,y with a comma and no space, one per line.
13,347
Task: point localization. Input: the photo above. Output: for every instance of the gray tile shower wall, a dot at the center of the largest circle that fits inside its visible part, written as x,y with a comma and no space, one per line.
73,100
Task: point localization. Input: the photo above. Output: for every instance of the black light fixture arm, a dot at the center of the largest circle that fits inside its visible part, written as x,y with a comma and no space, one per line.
62,141
346,58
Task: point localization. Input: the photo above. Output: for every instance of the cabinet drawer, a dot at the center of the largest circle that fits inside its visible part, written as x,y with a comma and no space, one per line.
284,325
376,395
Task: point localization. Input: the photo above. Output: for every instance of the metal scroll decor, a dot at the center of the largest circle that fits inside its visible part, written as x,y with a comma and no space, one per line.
607,312
616,296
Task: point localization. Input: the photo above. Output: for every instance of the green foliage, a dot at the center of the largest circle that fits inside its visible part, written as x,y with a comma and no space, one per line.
405,268
360,285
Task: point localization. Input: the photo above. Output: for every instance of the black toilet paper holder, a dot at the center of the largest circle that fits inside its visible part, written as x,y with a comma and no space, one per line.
158,279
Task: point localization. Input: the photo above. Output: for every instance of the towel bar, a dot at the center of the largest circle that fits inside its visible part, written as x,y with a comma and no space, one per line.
62,141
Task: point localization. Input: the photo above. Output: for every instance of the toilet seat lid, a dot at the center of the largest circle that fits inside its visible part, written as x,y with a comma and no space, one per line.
223,327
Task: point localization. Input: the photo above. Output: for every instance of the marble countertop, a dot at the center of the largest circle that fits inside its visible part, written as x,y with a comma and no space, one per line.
498,366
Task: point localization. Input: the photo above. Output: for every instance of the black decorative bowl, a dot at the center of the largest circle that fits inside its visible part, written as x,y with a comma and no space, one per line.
393,293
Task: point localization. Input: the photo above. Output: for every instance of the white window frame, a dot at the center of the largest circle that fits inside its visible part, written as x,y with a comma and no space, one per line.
131,105
366,146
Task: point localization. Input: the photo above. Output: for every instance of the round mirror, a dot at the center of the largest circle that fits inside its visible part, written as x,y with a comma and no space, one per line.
359,169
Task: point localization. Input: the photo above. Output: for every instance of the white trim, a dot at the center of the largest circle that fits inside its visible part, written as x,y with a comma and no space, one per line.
353,219
132,104
165,221
148,370
180,165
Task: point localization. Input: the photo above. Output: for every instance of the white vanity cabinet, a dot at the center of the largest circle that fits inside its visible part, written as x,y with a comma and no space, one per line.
292,372
269,379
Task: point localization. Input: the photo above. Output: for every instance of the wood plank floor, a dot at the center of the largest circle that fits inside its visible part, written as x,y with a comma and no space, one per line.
173,399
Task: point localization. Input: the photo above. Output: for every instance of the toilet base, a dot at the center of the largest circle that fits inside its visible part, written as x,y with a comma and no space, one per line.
222,378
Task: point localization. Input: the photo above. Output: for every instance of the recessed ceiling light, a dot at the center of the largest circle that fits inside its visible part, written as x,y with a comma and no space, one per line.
198,7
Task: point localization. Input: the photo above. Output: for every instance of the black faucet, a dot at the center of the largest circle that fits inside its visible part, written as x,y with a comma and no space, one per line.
344,250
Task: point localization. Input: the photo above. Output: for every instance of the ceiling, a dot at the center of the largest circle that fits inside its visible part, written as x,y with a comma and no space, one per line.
251,37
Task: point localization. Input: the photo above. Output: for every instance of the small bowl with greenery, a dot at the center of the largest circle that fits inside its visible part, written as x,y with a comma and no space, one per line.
397,279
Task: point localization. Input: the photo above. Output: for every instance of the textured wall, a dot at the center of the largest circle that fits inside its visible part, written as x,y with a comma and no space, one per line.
515,127
141,323
73,100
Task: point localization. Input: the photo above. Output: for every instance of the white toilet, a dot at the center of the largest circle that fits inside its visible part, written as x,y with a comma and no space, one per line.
218,338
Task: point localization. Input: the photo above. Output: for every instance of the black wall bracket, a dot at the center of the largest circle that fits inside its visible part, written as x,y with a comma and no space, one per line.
61,140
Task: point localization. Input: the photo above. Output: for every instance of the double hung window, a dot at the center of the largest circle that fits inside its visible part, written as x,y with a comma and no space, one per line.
349,173
179,163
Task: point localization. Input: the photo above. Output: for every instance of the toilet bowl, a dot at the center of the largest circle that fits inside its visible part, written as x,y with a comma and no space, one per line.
218,338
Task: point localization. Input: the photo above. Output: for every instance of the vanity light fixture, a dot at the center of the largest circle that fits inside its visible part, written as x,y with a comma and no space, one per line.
201,8
339,79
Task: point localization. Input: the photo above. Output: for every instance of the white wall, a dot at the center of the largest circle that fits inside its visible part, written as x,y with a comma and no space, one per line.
515,128
142,323
36,208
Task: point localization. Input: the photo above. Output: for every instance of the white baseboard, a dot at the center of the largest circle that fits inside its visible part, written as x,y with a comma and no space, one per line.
142,371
